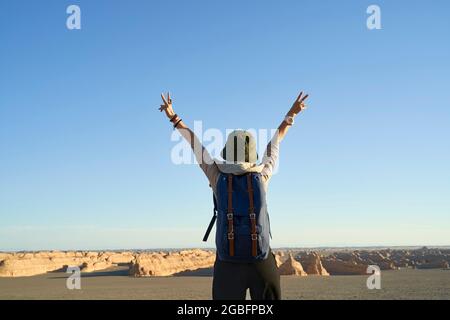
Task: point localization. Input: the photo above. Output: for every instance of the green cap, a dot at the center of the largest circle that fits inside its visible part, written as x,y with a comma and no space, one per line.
240,147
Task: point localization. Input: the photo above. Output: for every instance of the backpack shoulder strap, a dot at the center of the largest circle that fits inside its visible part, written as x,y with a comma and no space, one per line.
230,214
252,215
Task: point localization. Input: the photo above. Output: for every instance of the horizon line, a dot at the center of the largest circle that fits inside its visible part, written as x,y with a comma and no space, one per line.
213,248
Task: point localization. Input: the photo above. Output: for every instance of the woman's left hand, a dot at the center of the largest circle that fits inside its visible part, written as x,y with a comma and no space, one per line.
167,106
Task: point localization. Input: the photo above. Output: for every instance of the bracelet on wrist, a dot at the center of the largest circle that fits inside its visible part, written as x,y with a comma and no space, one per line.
177,123
173,118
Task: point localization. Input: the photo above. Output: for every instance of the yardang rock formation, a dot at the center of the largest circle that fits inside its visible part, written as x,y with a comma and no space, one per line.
143,264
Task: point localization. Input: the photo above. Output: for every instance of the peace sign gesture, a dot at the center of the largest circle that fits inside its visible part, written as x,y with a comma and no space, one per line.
167,105
299,104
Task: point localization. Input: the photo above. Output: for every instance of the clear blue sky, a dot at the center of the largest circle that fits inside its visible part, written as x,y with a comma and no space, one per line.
85,155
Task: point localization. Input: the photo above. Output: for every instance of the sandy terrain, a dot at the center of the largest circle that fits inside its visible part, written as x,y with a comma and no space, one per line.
116,284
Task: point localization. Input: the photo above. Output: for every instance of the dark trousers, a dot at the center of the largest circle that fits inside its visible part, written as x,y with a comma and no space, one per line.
232,279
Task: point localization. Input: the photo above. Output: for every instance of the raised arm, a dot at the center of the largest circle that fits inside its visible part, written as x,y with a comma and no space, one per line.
288,121
271,154
201,154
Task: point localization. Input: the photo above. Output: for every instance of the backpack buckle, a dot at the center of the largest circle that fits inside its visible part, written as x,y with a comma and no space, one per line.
254,236
230,216
230,236
252,215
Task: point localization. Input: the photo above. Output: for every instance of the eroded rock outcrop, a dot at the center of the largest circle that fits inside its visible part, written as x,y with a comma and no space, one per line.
121,257
345,263
33,263
340,267
313,265
380,258
141,264
278,259
95,266
166,264
291,267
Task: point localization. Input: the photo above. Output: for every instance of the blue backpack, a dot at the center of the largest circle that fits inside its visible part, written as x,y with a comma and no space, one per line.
243,226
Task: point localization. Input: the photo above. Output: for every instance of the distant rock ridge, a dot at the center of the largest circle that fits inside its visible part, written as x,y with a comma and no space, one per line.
292,262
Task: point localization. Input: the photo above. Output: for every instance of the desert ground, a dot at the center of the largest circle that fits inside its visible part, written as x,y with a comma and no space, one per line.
115,283
405,273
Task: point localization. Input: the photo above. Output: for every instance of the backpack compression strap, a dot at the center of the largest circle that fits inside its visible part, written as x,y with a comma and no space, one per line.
251,211
230,215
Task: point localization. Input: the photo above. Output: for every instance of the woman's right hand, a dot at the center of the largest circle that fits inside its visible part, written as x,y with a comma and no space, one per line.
167,106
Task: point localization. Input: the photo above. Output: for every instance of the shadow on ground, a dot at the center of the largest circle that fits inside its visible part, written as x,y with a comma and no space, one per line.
123,271
204,272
